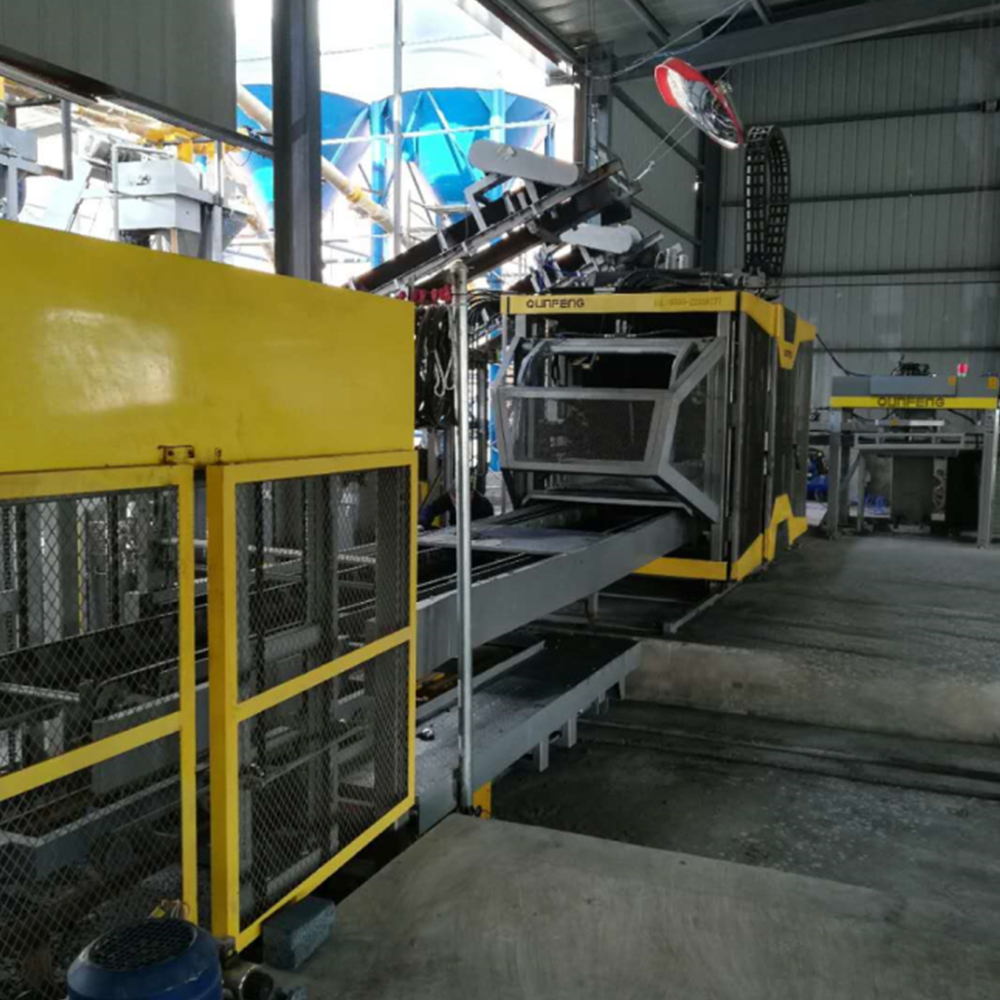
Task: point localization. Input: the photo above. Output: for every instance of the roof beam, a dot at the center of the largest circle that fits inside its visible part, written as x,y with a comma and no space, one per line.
760,9
502,30
864,20
655,29
534,30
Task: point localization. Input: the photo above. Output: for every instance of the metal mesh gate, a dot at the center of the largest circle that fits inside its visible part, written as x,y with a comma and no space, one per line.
311,619
96,682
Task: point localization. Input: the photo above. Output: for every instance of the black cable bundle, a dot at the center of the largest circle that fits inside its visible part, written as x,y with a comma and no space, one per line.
768,192
664,280
435,388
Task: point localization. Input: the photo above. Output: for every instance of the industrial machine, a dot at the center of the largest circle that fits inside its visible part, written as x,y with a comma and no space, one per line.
210,580
162,203
206,592
650,422
694,404
943,475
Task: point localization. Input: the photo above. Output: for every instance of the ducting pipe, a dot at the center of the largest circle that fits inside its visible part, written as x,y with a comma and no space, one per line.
361,202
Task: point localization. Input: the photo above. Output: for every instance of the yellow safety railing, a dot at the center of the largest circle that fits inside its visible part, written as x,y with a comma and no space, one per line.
93,726
312,673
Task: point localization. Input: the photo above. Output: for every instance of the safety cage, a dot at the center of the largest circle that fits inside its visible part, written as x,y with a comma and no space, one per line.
122,630
97,719
206,629
669,431
311,596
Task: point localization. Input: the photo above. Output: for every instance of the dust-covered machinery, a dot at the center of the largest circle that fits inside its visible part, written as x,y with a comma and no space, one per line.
206,592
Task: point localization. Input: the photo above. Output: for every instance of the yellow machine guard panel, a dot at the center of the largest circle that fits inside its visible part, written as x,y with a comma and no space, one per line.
114,353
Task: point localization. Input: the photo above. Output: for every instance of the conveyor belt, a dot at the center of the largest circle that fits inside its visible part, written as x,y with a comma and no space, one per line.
515,224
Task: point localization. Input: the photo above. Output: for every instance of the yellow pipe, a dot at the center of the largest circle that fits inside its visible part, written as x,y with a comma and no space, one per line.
261,113
258,215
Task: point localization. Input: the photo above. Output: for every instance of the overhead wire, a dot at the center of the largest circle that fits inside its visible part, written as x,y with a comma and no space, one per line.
651,165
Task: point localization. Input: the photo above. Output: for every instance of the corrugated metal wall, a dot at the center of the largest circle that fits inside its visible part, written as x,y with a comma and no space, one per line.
894,243
178,53
669,189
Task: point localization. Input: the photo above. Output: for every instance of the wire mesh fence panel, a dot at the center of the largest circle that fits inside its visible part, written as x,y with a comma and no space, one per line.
89,638
317,771
323,569
83,854
690,444
574,430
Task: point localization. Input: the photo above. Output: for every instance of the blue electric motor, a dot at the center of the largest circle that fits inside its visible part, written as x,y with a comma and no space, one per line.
155,959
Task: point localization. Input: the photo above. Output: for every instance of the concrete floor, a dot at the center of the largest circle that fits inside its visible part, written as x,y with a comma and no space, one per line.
640,865
940,849
890,634
486,909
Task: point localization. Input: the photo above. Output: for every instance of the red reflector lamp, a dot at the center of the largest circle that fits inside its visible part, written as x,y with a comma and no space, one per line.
963,369
705,103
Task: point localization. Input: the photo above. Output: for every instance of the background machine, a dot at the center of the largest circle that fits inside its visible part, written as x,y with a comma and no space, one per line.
942,474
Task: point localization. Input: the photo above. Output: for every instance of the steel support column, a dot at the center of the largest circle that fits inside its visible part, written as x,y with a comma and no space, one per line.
463,517
988,478
66,121
709,204
835,464
13,207
297,188
593,111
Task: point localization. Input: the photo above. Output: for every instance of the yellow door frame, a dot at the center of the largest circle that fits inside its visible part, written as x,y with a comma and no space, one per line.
227,711
90,482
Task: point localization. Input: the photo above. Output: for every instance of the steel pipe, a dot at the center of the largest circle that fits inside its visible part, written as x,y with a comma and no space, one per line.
66,122
361,202
463,519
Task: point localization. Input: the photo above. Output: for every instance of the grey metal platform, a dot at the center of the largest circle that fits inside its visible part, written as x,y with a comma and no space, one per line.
492,910
517,713
543,571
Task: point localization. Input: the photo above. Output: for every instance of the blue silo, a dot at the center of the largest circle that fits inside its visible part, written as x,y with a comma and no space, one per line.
341,117
451,120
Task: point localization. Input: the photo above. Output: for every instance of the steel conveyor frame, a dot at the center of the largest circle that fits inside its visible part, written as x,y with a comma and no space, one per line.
514,224
542,584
